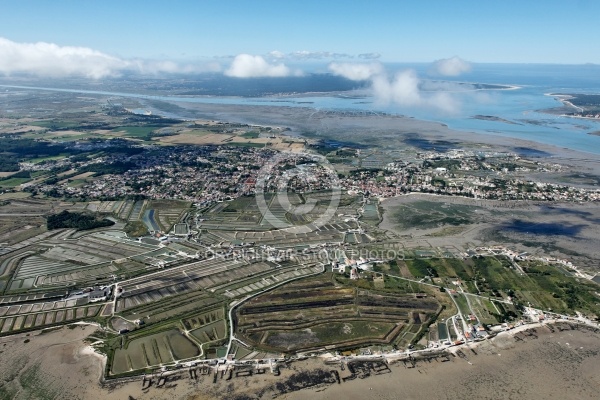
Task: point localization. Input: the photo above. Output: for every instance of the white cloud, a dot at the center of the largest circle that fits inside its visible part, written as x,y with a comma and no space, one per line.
317,55
306,55
451,66
356,71
278,55
249,66
404,88
369,56
170,67
51,60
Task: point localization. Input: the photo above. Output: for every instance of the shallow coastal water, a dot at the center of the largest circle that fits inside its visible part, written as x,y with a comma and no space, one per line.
513,113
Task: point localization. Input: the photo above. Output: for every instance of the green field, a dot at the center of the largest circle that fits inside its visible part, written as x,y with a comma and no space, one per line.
544,286
484,310
328,333
41,159
206,318
159,348
322,311
16,195
138,132
250,135
462,304
56,124
248,144
77,182
12,182
333,332
420,268
211,332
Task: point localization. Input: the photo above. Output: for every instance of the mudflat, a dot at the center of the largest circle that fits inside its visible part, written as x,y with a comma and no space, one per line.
563,365
555,361
384,131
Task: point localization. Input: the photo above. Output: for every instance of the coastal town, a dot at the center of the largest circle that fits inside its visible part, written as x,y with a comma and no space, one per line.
215,173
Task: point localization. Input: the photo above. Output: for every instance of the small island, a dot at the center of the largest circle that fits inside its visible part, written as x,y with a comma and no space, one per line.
493,118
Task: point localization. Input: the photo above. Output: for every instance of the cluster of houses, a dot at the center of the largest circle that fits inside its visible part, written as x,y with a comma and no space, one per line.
346,264
207,174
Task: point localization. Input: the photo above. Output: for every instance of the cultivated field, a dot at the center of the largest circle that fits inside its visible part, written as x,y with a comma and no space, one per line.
153,350
316,313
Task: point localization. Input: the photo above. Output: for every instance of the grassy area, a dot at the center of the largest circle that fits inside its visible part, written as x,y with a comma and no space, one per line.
251,135
16,195
551,289
41,159
239,144
460,269
72,138
139,132
212,332
77,182
462,304
162,347
168,204
56,124
240,204
334,332
484,310
420,268
162,311
135,229
391,284
543,286
13,182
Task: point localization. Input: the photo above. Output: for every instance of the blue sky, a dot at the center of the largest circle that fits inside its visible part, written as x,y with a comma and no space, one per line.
542,31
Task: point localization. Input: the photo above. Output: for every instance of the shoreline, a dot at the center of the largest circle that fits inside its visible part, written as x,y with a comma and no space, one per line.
529,348
536,365
226,111
339,125
564,99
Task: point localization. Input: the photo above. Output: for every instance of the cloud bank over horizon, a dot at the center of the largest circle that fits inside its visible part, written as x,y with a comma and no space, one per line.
307,55
356,71
405,88
51,60
453,66
251,66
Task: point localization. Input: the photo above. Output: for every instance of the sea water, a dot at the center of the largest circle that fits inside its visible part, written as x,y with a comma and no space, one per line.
518,112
